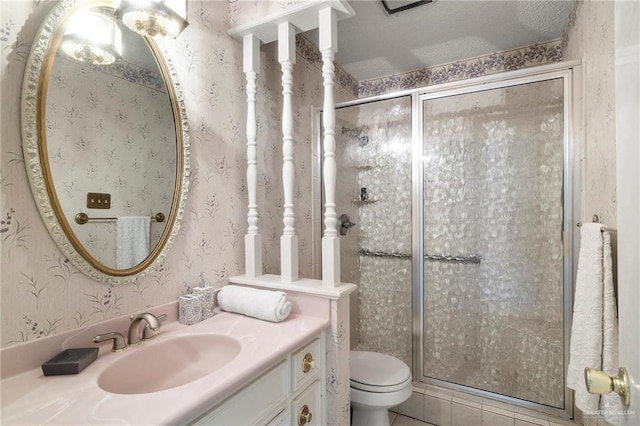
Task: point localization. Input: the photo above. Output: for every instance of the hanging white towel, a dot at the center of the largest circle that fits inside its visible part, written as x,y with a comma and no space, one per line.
610,404
263,304
132,236
594,327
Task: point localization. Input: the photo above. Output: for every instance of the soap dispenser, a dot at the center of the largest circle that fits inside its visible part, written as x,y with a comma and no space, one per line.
206,292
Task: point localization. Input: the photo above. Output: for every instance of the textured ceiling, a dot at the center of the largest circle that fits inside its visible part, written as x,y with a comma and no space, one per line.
373,44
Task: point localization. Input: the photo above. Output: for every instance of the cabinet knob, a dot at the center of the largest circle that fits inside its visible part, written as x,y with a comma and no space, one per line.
307,363
599,382
304,416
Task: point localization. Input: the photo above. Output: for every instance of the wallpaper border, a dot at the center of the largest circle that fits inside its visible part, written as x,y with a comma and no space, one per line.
310,52
493,63
127,71
508,60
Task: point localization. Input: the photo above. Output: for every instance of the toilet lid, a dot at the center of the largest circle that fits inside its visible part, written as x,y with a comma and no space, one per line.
372,369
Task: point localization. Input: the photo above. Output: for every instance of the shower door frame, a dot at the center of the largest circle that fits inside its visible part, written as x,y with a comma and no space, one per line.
573,114
570,206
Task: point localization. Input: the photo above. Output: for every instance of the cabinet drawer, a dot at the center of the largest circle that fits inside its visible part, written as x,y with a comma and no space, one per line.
306,409
283,419
252,404
305,365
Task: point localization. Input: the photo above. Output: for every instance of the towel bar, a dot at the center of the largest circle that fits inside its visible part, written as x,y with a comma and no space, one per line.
596,219
82,218
602,228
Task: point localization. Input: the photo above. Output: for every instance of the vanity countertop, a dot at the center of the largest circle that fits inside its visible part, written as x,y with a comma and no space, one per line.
31,398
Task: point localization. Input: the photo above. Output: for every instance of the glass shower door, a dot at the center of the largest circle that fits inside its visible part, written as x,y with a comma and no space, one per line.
373,152
493,221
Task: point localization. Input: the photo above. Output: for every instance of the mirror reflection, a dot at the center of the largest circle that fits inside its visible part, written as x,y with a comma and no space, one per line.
111,141
110,130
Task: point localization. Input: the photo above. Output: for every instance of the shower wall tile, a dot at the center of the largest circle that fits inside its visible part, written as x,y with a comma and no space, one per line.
530,420
464,415
561,422
437,411
413,407
467,409
468,400
408,421
492,419
523,423
439,393
498,408
524,412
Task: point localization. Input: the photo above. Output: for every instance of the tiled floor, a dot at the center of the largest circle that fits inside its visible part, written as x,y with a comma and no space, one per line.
400,420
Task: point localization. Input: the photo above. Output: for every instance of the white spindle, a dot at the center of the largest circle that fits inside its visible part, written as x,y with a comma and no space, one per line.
331,240
253,240
289,239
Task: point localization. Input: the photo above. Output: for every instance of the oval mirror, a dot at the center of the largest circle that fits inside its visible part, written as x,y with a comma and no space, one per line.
105,141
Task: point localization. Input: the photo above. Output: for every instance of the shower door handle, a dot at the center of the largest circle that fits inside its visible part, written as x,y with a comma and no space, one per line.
345,224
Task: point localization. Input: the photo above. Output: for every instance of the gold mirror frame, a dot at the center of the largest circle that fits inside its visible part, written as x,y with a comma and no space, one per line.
34,146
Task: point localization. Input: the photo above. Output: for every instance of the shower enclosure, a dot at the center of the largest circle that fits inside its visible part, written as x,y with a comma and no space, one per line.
455,205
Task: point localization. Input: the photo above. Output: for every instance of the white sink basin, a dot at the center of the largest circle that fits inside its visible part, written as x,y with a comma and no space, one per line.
168,364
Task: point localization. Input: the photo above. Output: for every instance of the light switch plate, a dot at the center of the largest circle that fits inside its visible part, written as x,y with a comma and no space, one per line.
96,200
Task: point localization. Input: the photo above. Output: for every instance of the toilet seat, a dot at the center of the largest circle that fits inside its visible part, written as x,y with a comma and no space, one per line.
378,373
380,389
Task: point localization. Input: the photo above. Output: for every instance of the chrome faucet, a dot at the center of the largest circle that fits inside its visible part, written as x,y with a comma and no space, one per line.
135,331
118,340
147,333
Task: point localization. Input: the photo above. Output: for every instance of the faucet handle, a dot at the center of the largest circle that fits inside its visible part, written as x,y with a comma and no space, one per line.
118,340
147,332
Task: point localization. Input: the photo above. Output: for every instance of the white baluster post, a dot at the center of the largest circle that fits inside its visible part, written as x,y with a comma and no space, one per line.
253,240
330,241
289,239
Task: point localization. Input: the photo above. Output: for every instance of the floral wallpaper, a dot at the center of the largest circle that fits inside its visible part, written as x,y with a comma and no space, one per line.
589,37
43,294
110,132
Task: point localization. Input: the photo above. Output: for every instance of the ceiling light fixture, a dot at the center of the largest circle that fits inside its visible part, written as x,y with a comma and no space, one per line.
154,18
92,37
396,6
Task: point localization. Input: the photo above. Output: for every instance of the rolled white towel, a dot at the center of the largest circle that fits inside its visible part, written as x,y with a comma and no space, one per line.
263,304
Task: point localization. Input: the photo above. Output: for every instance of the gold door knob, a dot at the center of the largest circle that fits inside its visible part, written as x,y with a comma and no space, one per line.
599,382
304,416
307,363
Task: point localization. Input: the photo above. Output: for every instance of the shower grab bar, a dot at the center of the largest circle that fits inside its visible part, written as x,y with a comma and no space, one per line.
461,259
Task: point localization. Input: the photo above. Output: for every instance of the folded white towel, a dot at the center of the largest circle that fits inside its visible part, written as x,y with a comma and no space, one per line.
263,304
132,236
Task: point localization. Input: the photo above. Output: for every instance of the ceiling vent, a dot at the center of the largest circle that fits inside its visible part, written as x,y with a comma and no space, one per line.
395,6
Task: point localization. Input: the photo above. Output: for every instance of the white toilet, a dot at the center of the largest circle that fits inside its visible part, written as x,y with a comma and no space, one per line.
378,382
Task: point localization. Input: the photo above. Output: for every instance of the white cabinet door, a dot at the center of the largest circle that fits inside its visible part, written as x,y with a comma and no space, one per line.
257,404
